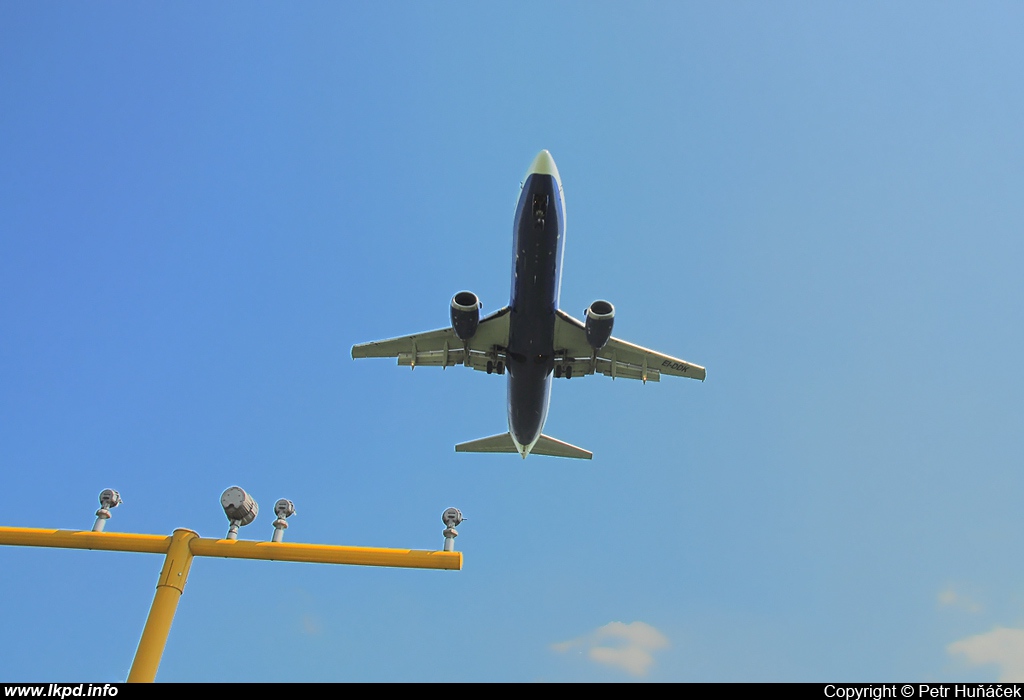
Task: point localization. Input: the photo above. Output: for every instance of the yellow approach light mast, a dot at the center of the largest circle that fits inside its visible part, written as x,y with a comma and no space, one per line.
180,547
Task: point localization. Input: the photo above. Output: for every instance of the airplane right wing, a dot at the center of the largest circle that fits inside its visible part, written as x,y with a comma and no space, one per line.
617,358
485,351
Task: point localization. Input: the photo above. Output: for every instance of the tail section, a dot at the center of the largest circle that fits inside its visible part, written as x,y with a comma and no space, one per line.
545,445
556,448
495,443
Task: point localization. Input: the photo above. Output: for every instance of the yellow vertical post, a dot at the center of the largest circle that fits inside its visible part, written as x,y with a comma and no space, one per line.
168,591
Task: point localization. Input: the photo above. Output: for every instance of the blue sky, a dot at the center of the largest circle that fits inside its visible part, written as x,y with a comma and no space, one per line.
202,208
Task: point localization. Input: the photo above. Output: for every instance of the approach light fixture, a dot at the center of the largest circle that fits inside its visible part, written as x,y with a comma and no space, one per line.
283,509
240,508
109,498
451,517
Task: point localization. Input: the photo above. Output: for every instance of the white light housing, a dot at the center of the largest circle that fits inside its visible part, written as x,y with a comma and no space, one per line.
240,508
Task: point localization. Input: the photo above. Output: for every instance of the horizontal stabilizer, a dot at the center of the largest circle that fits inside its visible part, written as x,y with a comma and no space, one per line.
495,443
545,446
556,448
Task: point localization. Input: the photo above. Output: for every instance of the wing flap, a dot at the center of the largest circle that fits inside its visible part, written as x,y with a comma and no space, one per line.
617,369
432,358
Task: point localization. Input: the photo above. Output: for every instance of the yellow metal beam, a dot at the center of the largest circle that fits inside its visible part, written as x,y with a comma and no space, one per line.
183,545
234,549
169,588
326,554
75,539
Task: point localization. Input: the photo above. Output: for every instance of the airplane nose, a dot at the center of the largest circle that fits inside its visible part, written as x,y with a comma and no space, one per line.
544,164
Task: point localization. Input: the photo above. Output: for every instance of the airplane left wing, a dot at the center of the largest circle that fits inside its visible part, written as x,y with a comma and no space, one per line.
616,359
485,351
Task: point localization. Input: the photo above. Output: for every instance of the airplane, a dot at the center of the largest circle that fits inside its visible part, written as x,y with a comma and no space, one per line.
531,339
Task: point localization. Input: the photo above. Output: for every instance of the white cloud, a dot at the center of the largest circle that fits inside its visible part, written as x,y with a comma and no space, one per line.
1002,646
950,597
629,647
310,625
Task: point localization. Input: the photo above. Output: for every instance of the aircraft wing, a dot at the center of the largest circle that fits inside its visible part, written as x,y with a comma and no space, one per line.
617,358
442,348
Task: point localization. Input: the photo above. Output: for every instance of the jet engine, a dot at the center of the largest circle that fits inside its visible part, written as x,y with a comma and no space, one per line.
465,314
600,317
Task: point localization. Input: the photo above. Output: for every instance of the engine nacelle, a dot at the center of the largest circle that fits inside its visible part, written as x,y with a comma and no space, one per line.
600,317
465,314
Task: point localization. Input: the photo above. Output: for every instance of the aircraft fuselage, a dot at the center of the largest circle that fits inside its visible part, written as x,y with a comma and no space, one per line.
538,244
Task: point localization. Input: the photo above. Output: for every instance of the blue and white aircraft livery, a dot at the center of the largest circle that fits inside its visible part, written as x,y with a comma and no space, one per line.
531,339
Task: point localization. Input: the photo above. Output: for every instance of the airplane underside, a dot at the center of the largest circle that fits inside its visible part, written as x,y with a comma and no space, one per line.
531,339
538,233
